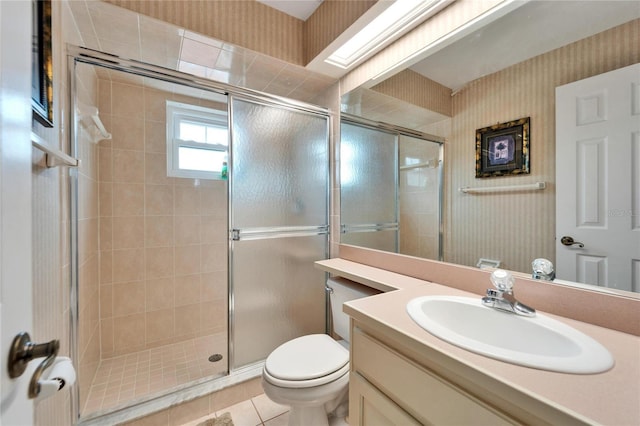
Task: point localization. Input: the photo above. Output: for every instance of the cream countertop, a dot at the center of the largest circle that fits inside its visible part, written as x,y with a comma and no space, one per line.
368,275
611,398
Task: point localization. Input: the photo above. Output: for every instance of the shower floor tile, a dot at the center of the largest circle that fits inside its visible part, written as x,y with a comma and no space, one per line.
127,378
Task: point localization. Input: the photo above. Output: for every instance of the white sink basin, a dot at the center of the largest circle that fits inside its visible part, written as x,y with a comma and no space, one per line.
538,342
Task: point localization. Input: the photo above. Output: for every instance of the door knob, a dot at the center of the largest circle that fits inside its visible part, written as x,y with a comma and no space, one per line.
24,350
568,241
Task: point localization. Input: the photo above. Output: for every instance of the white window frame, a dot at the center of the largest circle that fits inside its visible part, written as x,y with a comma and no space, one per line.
176,112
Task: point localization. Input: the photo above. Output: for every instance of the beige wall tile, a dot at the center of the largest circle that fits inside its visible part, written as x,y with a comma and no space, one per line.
106,301
87,239
214,200
128,166
127,101
159,293
105,164
155,105
159,262
106,199
129,332
155,136
187,319
187,200
158,231
106,233
106,267
106,337
213,229
187,260
128,265
213,286
187,230
199,53
104,96
128,298
158,200
160,324
155,168
213,316
214,257
187,290
128,199
128,232
127,133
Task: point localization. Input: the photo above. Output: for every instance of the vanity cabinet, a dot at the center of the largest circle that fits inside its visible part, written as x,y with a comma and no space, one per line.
388,386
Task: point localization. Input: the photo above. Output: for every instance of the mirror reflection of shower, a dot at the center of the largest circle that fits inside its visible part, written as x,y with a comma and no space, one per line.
391,189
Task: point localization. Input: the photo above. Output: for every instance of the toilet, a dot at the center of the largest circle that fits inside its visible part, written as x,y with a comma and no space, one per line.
310,374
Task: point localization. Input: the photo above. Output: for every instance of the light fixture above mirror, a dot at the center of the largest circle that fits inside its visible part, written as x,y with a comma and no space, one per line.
376,29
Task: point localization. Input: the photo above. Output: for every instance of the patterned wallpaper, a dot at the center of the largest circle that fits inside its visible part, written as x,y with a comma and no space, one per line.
491,225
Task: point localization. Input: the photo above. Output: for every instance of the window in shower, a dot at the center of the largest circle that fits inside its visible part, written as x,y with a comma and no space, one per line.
197,141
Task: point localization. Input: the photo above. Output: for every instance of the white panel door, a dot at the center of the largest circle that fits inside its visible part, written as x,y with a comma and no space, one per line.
15,201
598,180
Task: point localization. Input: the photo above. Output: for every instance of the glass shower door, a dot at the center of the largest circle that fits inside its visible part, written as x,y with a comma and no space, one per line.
279,174
368,187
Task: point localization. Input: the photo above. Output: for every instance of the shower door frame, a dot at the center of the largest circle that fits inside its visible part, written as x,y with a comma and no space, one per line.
82,55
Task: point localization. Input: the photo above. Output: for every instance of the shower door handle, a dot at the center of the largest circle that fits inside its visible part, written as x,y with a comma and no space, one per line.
235,234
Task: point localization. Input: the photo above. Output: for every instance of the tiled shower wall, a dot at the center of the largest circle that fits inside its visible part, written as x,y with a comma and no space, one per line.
163,241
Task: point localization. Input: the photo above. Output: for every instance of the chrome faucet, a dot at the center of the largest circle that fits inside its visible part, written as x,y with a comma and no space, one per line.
502,296
543,270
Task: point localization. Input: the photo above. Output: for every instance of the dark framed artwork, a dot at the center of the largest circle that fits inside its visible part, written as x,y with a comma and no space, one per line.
503,149
42,63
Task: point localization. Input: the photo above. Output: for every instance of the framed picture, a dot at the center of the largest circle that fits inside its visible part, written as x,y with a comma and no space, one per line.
503,149
42,63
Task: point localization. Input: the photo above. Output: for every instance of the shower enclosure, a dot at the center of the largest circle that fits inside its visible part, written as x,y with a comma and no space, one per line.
390,188
196,223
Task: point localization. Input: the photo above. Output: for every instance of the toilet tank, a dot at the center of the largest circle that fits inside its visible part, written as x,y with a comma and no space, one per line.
343,291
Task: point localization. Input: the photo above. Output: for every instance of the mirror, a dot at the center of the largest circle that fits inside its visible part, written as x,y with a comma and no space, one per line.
503,72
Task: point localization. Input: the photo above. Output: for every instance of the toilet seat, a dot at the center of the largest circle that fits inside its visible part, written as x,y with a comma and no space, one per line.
307,361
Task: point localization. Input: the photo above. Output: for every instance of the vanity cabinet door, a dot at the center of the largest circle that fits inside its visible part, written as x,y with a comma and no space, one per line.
417,391
369,406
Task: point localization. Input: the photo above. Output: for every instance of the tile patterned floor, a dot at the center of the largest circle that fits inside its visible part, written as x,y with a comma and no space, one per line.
259,411
121,379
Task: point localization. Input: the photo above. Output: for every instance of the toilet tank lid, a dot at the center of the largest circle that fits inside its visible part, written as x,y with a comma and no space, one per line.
307,357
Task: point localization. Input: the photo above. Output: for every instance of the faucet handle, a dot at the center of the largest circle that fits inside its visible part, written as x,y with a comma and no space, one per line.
543,269
502,280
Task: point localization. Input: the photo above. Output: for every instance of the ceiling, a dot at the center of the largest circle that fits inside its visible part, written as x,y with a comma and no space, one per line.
300,9
533,28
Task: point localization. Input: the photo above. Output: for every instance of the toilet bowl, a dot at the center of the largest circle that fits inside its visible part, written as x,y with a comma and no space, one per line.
310,374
